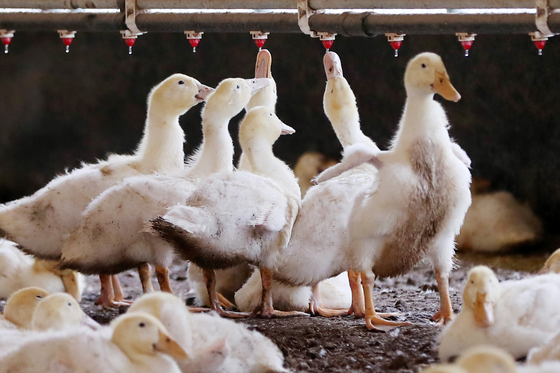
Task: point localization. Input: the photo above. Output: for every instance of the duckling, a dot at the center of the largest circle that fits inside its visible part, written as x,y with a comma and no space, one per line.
552,264
417,202
309,165
248,351
229,280
18,271
139,343
513,315
40,222
58,311
239,217
18,312
109,238
496,221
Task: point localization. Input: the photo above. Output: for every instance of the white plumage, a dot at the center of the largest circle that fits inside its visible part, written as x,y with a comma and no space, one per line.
110,238
513,315
137,345
18,271
233,348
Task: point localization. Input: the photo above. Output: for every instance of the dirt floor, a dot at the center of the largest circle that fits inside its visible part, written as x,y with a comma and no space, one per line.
343,344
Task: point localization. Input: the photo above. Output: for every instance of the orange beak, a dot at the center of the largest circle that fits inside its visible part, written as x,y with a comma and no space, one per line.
443,86
483,311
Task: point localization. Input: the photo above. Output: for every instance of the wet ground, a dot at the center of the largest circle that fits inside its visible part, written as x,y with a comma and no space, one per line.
343,344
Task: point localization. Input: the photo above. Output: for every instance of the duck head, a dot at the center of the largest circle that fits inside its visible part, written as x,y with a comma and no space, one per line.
487,359
481,293
21,305
153,303
139,334
425,75
262,123
444,368
60,310
177,94
552,264
263,70
338,94
232,95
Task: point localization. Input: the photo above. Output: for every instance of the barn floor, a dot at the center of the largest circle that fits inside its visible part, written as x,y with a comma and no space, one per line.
343,344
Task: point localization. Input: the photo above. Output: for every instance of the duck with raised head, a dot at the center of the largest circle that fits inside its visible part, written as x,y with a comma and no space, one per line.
39,223
239,217
18,271
229,280
412,209
139,343
109,238
213,344
513,315
330,203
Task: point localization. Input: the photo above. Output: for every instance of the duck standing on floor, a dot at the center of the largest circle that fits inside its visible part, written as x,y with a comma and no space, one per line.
139,343
39,223
513,315
213,344
413,208
239,217
228,281
18,271
331,204
110,240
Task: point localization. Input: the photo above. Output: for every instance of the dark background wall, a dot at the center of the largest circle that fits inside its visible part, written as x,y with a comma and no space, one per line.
57,110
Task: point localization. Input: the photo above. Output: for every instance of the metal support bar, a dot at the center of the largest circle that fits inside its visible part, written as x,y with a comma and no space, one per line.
57,21
60,4
425,4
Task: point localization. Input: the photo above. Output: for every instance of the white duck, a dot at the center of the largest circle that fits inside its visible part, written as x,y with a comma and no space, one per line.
490,359
496,221
513,315
417,203
549,350
239,217
138,344
229,280
109,238
330,203
18,271
39,223
247,352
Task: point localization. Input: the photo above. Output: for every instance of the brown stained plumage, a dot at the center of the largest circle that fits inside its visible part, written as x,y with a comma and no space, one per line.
39,212
106,170
190,248
101,268
427,210
38,255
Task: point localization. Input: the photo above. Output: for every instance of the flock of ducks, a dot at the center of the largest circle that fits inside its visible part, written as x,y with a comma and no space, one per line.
255,239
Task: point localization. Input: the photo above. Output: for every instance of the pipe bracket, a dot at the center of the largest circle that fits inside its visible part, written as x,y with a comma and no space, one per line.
541,18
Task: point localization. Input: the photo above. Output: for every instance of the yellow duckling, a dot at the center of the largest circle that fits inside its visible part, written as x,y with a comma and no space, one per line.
139,344
19,309
513,315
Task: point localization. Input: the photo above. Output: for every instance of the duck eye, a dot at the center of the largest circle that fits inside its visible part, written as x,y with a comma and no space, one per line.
270,114
423,65
70,304
39,297
141,325
441,80
181,82
472,282
238,87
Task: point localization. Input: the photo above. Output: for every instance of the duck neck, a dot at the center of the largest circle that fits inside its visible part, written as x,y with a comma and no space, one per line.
161,148
217,148
261,159
423,118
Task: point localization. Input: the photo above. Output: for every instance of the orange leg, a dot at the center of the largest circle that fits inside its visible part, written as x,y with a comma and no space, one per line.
210,281
107,297
144,273
358,307
316,305
373,319
119,295
266,309
162,274
445,313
